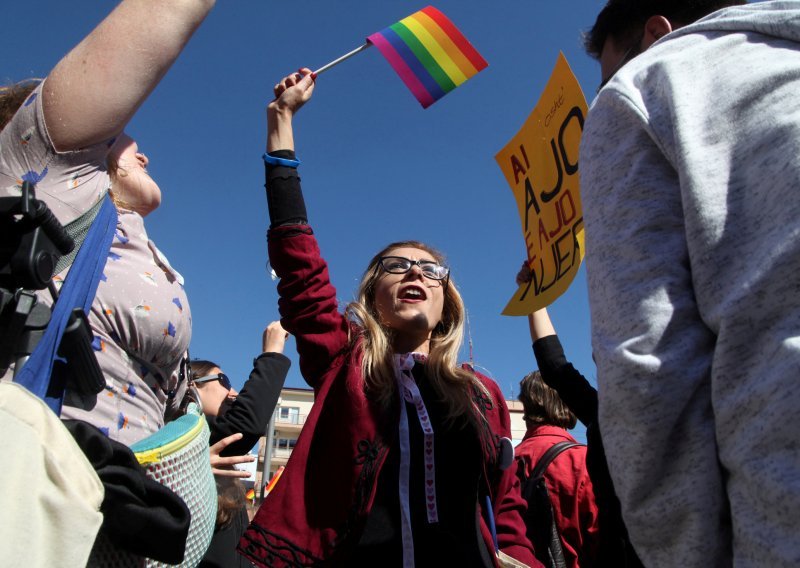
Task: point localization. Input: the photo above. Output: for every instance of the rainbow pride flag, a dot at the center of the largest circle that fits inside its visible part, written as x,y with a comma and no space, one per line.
429,53
271,485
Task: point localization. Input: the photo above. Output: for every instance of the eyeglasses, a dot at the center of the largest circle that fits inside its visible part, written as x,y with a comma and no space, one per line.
630,53
401,265
221,377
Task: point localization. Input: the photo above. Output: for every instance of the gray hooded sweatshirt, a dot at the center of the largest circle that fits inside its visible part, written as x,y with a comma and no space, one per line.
690,171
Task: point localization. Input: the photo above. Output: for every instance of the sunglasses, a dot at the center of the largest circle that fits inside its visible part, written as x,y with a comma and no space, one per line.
221,377
401,265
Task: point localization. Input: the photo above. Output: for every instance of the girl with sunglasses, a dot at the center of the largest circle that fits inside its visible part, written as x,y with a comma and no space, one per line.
402,460
237,420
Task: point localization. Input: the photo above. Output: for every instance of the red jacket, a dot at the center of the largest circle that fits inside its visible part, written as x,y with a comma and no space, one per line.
315,514
570,492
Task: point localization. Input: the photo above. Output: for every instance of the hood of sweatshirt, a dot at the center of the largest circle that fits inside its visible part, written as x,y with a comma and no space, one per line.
780,19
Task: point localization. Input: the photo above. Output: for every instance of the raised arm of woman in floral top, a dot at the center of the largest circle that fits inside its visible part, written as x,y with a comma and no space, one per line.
94,91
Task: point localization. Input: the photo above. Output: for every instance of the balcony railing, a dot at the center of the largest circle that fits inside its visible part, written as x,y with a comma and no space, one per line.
294,419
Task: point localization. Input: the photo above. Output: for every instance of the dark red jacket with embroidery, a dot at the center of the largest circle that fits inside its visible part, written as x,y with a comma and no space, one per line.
315,514
570,490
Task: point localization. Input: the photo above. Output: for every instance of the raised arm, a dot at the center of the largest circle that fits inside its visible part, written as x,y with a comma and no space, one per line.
250,412
290,95
573,388
538,322
308,304
540,325
93,92
274,338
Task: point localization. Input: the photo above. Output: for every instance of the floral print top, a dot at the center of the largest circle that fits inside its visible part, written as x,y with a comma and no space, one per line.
140,316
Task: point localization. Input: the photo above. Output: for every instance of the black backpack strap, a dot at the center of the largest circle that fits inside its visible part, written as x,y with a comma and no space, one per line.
547,458
553,556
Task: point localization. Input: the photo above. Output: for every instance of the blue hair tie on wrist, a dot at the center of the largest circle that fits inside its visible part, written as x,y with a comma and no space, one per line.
275,161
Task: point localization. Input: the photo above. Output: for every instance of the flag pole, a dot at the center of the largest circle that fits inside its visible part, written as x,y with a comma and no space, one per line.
342,58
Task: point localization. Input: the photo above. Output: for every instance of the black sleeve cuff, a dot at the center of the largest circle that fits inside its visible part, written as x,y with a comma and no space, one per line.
284,195
280,358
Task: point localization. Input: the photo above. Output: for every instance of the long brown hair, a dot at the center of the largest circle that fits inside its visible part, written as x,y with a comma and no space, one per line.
231,499
12,97
452,383
542,404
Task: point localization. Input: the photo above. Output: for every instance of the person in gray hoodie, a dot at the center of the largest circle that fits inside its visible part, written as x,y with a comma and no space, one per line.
690,173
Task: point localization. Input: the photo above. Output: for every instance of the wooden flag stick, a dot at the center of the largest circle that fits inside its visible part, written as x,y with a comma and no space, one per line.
342,58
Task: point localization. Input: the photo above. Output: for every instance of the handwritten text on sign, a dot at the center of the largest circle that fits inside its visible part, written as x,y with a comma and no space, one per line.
541,166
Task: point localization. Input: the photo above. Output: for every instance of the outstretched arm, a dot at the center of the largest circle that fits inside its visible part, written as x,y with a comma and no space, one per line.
93,92
573,388
308,304
251,411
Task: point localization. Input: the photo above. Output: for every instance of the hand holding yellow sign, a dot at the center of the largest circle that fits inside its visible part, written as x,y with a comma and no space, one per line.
541,166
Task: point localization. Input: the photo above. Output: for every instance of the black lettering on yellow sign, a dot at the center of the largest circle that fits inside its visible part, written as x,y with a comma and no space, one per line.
540,164
561,255
564,252
562,163
516,165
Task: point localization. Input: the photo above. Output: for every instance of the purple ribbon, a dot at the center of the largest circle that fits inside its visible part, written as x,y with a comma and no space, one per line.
410,393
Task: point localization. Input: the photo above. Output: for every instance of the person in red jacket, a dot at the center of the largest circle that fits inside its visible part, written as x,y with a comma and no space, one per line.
570,489
401,461
613,546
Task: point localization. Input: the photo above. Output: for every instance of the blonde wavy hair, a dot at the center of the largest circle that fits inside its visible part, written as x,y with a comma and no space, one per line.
452,383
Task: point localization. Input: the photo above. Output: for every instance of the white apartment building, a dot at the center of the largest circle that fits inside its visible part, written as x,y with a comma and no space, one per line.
290,415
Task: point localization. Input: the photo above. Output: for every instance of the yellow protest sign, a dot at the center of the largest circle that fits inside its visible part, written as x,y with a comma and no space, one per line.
541,166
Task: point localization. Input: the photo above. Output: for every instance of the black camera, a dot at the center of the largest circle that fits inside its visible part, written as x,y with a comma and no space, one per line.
31,243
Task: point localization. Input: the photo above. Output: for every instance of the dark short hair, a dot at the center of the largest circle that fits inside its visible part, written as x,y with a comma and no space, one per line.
623,20
542,405
201,368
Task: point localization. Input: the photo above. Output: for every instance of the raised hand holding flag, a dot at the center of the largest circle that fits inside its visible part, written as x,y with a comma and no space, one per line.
428,52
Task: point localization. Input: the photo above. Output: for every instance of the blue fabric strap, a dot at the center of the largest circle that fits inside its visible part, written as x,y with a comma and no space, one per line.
78,290
275,161
490,522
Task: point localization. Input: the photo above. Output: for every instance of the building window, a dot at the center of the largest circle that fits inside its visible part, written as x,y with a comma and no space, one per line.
284,443
289,414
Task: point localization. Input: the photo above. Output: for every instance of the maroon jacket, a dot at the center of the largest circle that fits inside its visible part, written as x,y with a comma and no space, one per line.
315,514
570,490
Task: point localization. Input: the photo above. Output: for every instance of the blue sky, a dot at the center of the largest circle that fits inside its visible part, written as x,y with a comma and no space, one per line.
376,166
